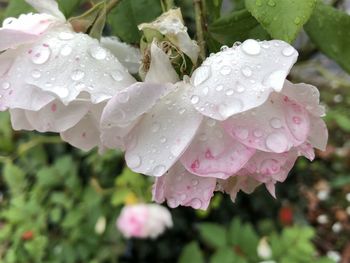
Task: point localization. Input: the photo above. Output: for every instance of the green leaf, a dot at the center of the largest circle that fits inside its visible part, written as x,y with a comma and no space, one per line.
213,234
328,29
282,19
125,18
237,26
224,255
68,6
191,253
14,178
213,8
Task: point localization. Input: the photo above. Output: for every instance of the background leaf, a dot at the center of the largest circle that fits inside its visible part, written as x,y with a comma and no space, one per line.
213,234
191,253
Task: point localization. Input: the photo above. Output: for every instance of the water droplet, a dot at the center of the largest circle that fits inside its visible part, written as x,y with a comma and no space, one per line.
159,170
172,203
155,127
183,197
194,182
225,70
182,111
275,80
240,88
275,123
66,51
201,74
229,92
246,71
194,99
134,161
163,139
270,166
117,75
277,142
77,75
196,203
219,88
98,52
288,51
40,54
242,133
176,150
6,85
36,74
65,36
224,48
205,90
258,133
251,47
123,97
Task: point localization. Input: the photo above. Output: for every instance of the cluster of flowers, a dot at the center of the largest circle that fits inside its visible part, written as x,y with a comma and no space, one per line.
234,124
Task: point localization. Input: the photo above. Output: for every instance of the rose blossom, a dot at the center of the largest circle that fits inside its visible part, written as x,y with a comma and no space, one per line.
53,79
144,220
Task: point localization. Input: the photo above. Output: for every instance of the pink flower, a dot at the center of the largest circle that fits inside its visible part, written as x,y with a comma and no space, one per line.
53,79
144,220
250,126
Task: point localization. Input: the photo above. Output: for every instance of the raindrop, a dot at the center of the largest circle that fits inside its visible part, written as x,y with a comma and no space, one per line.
242,133
163,139
196,203
117,75
240,88
275,123
246,71
275,80
98,52
194,182
277,142
225,70
182,111
77,75
134,161
172,203
40,54
66,51
297,20
258,133
229,92
194,99
155,127
219,88
6,85
251,47
159,170
288,51
201,75
36,74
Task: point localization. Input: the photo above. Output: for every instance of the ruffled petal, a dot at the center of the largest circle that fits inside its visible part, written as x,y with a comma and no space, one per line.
85,135
213,153
306,95
19,120
66,64
318,135
276,126
179,187
172,26
241,78
57,117
160,70
124,110
25,29
234,184
128,55
47,7
163,134
306,150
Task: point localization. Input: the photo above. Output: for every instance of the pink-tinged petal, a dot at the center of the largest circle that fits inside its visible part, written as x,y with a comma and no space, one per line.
241,78
306,150
271,187
306,95
163,134
25,97
66,64
128,55
270,167
179,187
47,7
213,153
276,126
6,60
318,135
57,117
234,184
25,29
85,134
19,120
160,70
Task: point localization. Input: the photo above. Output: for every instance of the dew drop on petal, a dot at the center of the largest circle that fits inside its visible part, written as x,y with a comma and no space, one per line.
219,88
36,74
258,133
201,75
66,51
40,54
172,203
194,182
247,72
163,139
242,133
134,161
194,99
77,75
159,170
275,80
117,75
275,123
277,142
229,92
288,51
225,70
196,203
240,88
6,85
98,53
251,47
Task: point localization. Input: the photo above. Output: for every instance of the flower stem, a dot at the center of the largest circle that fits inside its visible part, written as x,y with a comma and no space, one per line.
200,27
111,5
167,5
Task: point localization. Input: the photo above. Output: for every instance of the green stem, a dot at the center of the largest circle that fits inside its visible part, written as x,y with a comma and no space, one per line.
167,4
199,27
111,5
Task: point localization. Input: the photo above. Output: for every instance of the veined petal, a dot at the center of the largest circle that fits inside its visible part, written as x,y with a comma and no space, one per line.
160,70
128,55
19,120
85,134
66,64
318,135
276,126
179,187
213,153
163,134
57,117
47,7
241,78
